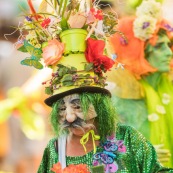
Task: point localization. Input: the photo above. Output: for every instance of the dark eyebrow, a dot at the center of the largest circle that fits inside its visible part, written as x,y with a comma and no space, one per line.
62,102
74,101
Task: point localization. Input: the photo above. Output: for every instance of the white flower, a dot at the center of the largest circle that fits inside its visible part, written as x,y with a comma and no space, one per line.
166,98
160,109
120,65
153,117
99,28
149,8
144,27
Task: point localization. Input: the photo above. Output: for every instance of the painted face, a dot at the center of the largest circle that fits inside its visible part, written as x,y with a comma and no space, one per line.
72,117
160,55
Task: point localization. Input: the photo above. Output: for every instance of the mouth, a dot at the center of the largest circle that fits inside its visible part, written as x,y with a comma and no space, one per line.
167,61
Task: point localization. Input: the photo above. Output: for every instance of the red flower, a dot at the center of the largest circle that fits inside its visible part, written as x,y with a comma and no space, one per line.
98,14
94,54
45,22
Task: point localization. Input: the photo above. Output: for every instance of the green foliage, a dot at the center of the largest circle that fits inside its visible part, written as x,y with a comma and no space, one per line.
64,24
88,67
110,21
48,90
69,76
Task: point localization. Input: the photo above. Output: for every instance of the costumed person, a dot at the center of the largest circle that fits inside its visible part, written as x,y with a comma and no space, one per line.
143,92
71,39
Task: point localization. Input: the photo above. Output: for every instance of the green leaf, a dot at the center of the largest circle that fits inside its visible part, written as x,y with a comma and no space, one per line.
88,66
87,75
64,24
67,77
48,90
22,49
68,83
73,70
56,81
81,76
62,71
64,7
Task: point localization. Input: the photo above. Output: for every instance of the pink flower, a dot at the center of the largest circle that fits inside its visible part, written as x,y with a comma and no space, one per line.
77,20
53,52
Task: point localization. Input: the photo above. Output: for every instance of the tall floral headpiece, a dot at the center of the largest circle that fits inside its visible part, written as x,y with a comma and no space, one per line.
68,36
139,31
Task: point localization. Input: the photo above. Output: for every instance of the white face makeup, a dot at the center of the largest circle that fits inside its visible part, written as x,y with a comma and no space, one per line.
70,110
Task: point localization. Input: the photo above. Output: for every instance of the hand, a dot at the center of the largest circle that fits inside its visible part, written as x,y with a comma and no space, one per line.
162,153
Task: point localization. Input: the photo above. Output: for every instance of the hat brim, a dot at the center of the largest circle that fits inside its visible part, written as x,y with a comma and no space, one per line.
49,101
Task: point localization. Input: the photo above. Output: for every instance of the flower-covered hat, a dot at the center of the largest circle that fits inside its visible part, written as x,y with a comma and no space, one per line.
140,31
70,37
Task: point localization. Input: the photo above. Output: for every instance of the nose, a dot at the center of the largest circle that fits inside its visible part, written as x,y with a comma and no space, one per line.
70,115
169,51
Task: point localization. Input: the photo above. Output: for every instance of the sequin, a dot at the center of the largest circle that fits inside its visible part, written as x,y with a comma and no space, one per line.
140,156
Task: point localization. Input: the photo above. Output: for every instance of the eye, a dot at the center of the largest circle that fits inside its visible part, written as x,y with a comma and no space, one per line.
77,107
158,46
62,108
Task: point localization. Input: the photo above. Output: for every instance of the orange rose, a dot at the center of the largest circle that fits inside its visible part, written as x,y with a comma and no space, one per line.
53,52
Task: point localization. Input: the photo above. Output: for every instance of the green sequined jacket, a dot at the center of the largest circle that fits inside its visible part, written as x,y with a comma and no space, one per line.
140,156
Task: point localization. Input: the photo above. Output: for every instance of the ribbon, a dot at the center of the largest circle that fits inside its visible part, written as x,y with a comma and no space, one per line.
85,139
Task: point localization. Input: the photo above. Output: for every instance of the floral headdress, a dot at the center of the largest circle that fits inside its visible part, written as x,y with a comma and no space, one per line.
142,29
68,36
149,20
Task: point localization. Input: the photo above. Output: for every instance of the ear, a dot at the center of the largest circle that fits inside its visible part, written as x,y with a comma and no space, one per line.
91,112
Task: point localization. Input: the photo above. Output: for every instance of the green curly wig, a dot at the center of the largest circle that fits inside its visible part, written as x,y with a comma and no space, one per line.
106,114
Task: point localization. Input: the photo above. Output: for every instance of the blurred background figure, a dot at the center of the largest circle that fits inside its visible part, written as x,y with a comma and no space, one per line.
22,117
143,90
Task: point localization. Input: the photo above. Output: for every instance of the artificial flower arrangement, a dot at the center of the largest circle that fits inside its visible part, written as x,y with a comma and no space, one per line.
80,168
40,36
147,16
148,20
40,31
